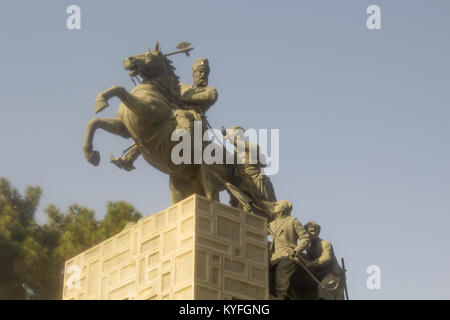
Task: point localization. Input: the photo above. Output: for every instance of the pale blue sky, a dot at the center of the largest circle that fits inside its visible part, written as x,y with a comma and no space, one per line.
363,115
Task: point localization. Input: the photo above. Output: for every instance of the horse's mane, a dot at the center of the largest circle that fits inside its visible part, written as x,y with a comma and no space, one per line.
174,83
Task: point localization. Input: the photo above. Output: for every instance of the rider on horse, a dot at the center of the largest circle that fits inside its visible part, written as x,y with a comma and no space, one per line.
196,99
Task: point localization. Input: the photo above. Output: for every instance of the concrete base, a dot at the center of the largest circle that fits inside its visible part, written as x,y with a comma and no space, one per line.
195,249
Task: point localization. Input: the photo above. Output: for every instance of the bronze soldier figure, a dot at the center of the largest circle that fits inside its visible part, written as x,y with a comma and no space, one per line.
249,178
286,231
199,96
320,259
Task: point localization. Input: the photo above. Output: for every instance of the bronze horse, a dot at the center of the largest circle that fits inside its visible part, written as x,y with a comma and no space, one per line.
148,115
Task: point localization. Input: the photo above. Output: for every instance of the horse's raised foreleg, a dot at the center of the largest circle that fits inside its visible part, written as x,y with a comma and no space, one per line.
112,125
151,108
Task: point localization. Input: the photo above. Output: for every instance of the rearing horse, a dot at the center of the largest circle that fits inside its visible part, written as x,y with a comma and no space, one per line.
148,115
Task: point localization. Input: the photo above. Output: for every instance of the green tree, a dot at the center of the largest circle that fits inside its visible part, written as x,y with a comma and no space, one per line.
32,255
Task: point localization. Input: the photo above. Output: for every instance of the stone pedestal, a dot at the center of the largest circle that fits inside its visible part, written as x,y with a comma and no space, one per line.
195,249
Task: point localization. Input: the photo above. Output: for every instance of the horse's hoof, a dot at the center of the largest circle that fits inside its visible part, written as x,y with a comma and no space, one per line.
100,104
93,158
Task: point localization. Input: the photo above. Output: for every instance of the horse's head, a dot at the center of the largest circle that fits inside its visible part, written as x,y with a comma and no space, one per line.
147,65
155,65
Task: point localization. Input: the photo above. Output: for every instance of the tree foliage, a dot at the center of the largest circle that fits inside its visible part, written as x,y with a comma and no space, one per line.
32,255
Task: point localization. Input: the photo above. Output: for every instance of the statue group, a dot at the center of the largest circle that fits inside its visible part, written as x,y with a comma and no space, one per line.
302,265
